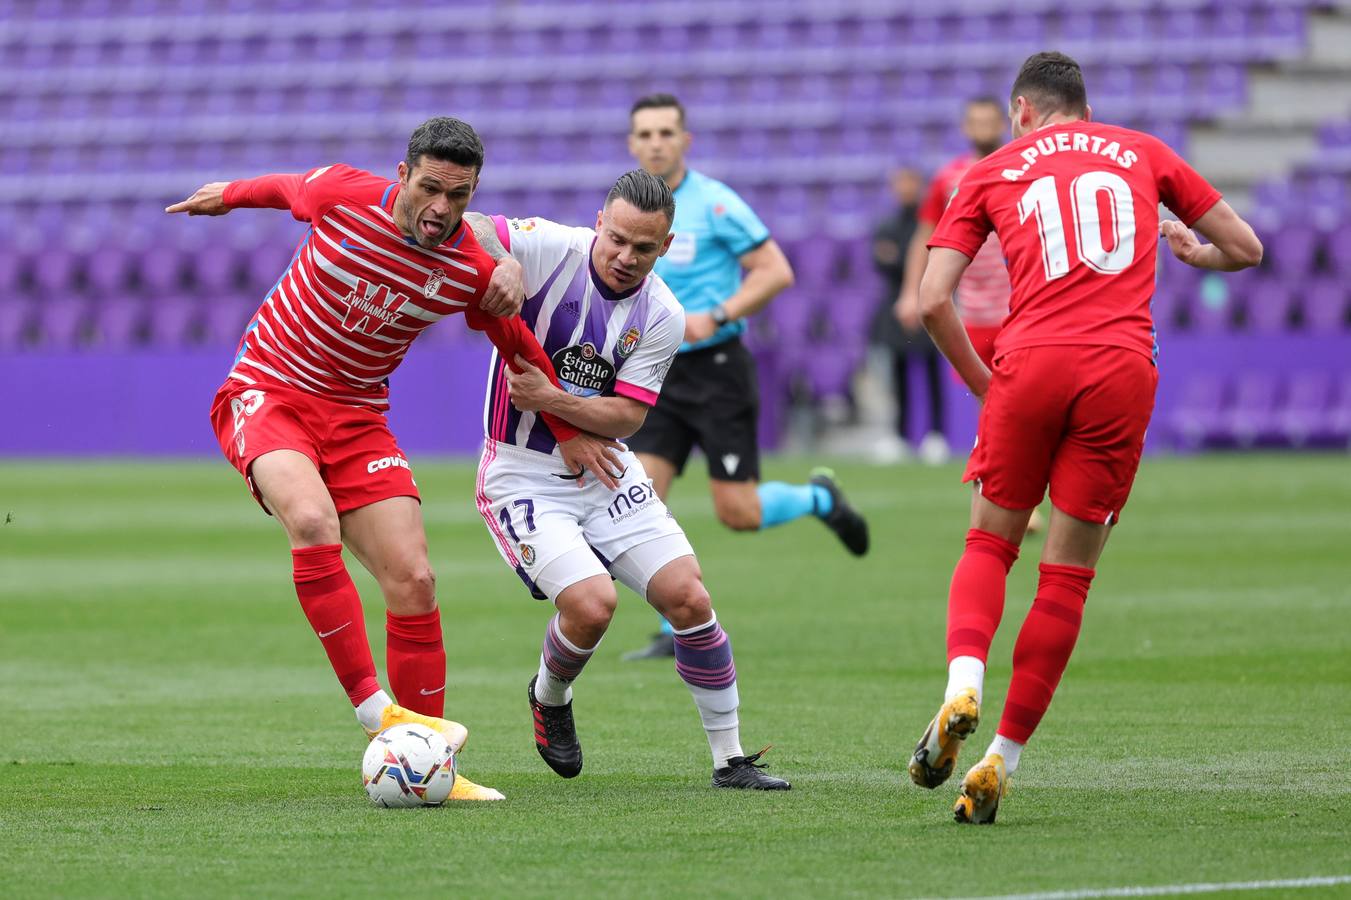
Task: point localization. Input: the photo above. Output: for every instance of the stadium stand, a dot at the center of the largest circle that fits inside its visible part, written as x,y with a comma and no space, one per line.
117,108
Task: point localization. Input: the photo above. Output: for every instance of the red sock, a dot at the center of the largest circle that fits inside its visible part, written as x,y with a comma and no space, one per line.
331,603
976,597
416,659
1044,647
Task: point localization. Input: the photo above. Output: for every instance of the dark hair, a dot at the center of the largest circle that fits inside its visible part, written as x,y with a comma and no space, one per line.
659,101
645,191
446,139
985,100
1052,82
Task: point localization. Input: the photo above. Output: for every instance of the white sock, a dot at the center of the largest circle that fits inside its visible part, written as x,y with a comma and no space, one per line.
965,672
718,712
550,689
368,713
1008,749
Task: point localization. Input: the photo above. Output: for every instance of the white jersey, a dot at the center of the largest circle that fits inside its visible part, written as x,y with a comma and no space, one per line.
602,343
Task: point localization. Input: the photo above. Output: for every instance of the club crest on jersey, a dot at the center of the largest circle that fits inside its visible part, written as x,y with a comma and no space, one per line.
433,285
370,309
628,343
581,370
527,554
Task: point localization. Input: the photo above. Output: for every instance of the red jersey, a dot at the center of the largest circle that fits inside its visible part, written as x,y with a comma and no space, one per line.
357,292
983,295
1076,208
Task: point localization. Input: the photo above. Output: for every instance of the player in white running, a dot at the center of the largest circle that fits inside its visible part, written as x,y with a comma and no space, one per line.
611,328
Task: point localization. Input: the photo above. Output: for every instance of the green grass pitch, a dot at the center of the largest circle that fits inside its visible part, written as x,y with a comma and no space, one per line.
169,725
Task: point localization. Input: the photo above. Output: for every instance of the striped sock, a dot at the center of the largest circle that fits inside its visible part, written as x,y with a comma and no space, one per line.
703,657
560,662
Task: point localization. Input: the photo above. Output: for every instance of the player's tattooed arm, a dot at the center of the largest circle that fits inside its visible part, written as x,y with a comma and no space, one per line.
506,288
486,231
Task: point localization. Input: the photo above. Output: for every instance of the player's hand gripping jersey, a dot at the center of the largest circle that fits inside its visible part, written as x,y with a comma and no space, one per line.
601,343
357,292
1075,206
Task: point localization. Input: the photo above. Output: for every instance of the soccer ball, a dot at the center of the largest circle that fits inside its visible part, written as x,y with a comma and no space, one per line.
408,765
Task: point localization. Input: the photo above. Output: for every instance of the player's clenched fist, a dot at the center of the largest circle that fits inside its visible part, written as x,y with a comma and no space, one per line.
207,201
1181,240
506,289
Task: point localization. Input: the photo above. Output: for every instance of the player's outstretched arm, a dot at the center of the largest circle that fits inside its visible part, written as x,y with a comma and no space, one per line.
207,200
1233,244
941,274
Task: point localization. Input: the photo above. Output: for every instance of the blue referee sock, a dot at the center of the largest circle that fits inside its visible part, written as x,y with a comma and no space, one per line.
782,502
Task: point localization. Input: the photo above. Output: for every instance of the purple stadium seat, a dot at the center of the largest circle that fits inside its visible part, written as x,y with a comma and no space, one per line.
61,321
1269,306
1324,305
1338,419
171,320
830,371
1302,418
1251,416
15,321
1198,415
118,321
1292,249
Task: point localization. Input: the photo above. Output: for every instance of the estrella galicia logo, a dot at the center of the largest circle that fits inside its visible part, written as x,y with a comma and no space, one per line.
582,370
628,343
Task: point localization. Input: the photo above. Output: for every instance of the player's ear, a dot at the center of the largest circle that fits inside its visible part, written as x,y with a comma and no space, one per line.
1088,113
633,144
686,139
666,244
403,172
600,215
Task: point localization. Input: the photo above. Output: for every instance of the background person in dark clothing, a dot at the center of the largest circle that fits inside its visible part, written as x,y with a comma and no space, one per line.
890,239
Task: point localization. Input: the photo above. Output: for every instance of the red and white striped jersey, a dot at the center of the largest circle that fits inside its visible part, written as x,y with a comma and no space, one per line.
357,292
984,291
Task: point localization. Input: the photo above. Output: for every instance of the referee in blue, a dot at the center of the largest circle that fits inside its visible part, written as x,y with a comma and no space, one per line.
710,397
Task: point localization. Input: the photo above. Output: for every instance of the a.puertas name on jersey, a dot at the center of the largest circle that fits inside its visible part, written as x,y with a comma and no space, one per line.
582,370
1071,142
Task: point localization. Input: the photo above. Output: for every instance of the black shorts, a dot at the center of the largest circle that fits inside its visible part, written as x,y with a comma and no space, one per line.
711,398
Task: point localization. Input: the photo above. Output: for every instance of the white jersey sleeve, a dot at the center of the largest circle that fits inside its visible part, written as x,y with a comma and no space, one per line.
643,373
538,245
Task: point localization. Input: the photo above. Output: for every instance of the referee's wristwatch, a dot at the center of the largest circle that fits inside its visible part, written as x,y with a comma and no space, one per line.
719,315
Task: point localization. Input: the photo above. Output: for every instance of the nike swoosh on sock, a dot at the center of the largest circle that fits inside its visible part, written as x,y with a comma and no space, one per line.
324,634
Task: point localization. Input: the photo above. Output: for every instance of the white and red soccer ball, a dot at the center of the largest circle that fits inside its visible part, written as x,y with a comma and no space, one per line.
408,766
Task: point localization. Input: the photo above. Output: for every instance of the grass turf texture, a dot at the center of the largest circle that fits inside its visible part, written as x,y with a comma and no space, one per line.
171,725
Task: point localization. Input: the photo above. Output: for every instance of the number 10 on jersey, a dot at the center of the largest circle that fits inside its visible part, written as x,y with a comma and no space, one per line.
1042,201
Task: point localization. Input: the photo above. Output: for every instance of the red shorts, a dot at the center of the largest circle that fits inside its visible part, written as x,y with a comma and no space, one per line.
1070,417
353,448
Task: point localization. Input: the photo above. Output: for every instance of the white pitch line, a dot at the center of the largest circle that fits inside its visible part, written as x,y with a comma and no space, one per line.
1169,889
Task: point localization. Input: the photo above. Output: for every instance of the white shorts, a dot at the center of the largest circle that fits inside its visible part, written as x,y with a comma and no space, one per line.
535,517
